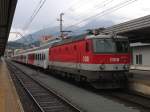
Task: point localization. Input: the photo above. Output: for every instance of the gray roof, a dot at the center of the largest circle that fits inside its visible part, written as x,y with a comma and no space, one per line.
138,30
139,44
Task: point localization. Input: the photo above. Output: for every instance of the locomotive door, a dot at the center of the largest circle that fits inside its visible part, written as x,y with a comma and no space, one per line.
78,65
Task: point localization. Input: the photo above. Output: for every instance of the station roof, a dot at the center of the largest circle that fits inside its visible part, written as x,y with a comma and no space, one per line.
138,30
7,9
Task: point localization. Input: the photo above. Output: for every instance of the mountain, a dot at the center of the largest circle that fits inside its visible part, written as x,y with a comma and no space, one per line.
34,38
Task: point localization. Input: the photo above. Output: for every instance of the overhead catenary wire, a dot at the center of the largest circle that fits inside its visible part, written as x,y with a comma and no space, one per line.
32,17
102,4
107,11
36,11
99,5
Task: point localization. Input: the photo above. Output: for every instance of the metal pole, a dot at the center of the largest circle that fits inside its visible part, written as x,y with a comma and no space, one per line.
61,25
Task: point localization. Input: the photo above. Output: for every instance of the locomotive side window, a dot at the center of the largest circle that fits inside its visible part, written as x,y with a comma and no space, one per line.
75,47
87,47
122,46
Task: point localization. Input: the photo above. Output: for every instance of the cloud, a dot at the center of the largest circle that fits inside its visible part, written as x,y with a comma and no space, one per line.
75,11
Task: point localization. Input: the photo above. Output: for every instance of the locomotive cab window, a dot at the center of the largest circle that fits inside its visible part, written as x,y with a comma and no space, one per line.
110,45
104,46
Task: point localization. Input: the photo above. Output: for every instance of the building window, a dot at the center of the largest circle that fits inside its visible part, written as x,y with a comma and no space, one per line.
139,59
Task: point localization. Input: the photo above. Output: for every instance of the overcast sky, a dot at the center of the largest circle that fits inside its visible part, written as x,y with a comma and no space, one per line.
74,11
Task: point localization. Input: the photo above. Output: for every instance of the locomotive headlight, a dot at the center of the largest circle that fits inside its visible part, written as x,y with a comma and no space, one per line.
126,67
102,66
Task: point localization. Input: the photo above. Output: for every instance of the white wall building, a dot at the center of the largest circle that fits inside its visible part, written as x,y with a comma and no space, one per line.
140,56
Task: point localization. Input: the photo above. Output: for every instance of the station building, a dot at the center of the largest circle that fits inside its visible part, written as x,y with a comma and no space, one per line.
140,56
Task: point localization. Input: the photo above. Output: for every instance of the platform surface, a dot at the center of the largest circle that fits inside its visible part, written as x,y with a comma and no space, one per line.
140,81
9,100
142,76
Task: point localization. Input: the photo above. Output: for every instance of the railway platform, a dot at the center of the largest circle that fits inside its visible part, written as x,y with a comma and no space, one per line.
9,99
140,81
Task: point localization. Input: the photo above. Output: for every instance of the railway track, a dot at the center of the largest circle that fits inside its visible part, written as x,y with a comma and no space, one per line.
45,99
125,96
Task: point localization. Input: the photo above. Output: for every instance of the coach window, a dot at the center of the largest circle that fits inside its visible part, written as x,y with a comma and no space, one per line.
87,47
38,56
42,56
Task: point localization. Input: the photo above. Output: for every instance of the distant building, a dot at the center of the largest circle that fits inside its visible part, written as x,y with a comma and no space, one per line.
8,53
46,39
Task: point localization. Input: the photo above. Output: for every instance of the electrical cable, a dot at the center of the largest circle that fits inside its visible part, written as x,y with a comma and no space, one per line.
110,10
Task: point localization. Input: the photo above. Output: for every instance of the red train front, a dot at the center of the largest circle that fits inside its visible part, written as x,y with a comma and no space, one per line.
102,60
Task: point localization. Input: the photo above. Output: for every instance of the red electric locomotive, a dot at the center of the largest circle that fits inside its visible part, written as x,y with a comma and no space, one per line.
103,60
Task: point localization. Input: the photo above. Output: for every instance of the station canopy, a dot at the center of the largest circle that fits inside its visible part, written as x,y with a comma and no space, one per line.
7,9
138,30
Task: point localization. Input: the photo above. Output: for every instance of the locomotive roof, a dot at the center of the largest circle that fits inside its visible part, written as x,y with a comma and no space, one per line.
85,36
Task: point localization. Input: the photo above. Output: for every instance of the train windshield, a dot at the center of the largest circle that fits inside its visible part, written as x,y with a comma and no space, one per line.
110,46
